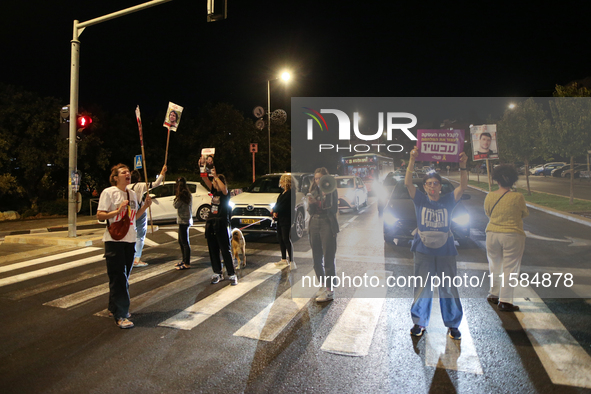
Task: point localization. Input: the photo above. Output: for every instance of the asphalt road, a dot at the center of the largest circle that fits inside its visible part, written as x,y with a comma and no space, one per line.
191,336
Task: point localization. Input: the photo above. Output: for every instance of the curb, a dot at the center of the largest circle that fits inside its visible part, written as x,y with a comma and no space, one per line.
551,211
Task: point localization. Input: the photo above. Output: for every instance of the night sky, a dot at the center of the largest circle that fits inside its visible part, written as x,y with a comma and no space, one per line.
333,48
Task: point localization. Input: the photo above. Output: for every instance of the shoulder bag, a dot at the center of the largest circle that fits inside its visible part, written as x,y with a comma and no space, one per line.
118,230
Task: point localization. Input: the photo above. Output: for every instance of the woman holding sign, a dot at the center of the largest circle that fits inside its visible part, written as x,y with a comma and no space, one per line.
434,249
217,228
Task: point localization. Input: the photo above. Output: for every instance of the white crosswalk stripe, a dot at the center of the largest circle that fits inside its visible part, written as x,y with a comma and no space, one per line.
41,260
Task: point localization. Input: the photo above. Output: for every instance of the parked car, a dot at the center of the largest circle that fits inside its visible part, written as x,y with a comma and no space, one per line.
251,209
547,168
577,171
558,171
352,192
400,218
163,197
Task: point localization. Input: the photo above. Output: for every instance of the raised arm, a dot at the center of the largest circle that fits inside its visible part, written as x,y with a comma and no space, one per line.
160,178
463,177
412,190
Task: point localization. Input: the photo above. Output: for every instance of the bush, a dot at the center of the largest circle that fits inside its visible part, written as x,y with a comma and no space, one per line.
57,207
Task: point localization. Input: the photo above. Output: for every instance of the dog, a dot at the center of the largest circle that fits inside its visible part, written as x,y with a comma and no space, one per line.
238,246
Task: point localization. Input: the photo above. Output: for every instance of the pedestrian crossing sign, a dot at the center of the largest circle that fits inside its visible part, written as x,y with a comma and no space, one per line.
138,162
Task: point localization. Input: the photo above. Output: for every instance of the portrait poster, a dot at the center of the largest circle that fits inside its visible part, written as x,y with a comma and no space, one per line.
173,116
206,161
484,142
440,145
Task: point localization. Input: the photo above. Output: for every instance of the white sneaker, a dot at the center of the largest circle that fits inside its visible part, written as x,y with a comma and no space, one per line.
233,280
325,296
293,266
282,262
124,323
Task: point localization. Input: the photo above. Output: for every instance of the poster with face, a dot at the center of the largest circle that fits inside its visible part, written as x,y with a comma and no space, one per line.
206,161
484,142
173,116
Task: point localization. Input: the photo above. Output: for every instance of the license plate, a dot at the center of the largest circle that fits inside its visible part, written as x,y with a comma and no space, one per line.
248,221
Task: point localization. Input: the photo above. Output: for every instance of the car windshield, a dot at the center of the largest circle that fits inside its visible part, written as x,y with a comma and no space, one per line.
401,192
345,183
269,184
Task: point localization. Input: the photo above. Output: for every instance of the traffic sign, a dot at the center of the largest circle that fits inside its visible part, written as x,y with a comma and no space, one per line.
254,148
138,162
259,112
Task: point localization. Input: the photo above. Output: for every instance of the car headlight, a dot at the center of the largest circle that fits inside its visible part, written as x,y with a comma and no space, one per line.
462,219
272,205
231,204
390,219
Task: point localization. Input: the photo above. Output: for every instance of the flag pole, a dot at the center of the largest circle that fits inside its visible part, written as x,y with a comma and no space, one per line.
167,140
139,124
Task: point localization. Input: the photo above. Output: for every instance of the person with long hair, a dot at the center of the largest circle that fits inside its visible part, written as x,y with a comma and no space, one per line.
434,249
283,213
323,208
505,238
217,228
114,205
183,202
141,223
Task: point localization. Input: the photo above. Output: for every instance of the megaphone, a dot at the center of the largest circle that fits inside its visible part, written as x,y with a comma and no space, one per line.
327,184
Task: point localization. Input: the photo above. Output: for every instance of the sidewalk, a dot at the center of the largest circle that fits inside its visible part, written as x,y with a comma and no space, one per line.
48,232
455,177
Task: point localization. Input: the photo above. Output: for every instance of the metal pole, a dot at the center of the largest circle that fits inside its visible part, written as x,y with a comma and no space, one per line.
72,161
269,118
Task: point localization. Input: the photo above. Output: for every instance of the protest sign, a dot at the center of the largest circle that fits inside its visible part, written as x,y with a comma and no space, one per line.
440,145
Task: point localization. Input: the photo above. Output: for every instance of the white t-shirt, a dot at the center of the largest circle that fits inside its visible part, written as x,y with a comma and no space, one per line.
110,200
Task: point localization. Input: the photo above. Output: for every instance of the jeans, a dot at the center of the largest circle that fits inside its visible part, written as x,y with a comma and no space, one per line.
119,256
283,235
141,227
184,242
324,248
427,266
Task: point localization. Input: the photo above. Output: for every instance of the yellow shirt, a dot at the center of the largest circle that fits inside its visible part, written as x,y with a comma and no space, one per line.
507,217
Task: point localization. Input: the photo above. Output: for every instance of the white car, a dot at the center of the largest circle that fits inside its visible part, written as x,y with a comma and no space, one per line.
251,209
352,192
163,197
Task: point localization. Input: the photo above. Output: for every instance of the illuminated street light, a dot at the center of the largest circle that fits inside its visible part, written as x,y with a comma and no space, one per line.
511,106
285,76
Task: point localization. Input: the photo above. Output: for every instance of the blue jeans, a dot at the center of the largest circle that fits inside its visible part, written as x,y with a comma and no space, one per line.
141,227
428,266
119,257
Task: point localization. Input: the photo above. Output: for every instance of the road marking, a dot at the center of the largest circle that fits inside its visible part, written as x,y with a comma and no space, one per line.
352,219
50,270
201,311
149,242
353,333
565,361
173,234
158,294
444,352
93,292
46,259
273,319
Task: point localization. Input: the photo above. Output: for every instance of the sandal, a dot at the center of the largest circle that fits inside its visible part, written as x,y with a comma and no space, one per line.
178,264
183,267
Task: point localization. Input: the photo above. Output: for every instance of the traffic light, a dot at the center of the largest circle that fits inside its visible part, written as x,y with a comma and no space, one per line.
83,122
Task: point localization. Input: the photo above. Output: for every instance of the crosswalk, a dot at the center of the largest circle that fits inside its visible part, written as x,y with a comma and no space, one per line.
352,334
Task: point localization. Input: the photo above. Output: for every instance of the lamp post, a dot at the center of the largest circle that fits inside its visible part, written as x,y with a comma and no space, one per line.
285,76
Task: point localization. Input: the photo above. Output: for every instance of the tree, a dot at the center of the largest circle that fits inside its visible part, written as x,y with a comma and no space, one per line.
29,153
520,134
570,134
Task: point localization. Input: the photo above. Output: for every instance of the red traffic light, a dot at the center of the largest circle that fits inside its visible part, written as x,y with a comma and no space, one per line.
84,121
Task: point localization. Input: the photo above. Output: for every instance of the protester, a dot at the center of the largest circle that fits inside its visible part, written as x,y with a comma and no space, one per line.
183,202
115,203
434,249
141,223
323,229
505,239
283,213
217,228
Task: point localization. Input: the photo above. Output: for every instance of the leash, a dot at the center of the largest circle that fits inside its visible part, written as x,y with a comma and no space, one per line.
252,224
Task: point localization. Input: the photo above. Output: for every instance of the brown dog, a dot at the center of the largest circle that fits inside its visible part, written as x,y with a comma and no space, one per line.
238,246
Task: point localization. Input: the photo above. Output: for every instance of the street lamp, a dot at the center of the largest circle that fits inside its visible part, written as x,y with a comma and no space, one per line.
285,76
